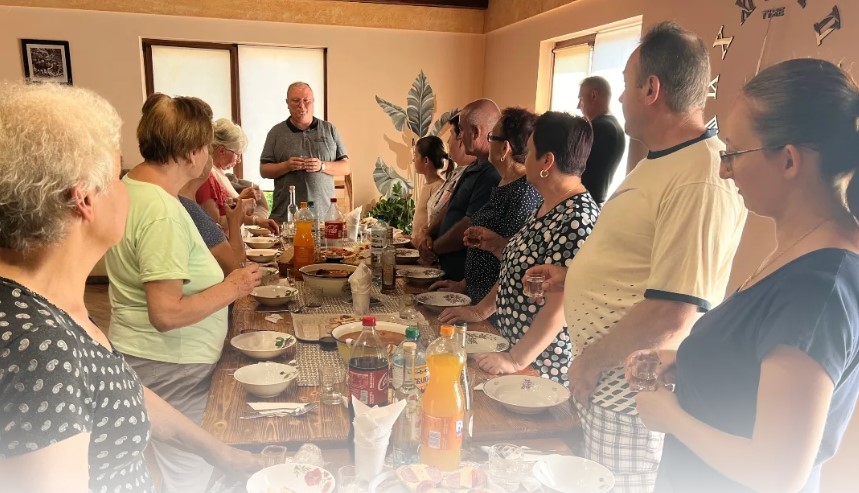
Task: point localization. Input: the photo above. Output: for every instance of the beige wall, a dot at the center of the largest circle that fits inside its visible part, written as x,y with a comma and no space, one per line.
513,68
362,62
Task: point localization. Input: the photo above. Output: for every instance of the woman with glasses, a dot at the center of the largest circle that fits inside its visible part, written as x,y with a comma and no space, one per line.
217,192
557,152
767,381
510,204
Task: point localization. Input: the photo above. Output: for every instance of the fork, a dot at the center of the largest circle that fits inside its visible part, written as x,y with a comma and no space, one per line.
299,411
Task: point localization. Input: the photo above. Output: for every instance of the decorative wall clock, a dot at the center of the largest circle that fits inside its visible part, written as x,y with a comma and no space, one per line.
823,20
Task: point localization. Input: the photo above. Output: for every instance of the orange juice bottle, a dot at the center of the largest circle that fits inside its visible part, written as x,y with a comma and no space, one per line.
303,242
443,404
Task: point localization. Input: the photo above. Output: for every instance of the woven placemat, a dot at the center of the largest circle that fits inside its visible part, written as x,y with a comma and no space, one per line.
309,357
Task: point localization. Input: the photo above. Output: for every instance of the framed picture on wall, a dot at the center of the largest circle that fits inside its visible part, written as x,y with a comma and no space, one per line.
46,61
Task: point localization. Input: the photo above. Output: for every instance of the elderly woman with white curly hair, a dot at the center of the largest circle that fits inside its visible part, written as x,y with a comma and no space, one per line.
74,417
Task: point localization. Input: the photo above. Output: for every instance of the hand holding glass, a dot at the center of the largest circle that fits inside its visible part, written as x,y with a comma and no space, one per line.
533,286
643,371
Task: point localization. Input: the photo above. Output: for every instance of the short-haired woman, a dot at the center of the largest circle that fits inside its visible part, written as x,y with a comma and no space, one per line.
168,295
74,417
557,152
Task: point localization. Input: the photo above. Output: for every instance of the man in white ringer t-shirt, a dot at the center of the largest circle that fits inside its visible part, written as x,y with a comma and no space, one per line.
659,255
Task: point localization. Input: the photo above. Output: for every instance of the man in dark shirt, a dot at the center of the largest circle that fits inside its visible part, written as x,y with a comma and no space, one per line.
609,139
471,193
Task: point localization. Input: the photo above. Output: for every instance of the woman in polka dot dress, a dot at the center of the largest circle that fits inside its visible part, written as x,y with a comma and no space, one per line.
557,152
73,415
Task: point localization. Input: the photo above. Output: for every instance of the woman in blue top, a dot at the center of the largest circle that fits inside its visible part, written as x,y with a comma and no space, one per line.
767,381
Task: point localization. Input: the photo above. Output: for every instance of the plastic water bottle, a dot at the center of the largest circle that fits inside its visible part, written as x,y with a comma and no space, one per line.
378,241
421,373
407,429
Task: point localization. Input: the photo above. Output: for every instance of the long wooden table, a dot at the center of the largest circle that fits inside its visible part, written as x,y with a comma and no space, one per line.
328,426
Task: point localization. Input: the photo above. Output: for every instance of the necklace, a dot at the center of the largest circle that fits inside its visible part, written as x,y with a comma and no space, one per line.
564,196
773,257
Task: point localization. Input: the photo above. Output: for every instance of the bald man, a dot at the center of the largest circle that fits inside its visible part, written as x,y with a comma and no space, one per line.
609,139
472,192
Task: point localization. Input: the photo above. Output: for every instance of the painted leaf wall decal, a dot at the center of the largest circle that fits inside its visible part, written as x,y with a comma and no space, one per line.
397,114
386,176
421,105
443,120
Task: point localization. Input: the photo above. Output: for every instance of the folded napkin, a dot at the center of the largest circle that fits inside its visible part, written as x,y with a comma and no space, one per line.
361,280
273,407
374,424
274,318
353,219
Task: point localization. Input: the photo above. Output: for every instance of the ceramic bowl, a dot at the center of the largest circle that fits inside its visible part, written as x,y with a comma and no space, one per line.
261,255
263,344
269,275
397,334
258,231
330,286
274,295
291,478
437,301
422,277
406,256
261,241
569,474
266,379
526,394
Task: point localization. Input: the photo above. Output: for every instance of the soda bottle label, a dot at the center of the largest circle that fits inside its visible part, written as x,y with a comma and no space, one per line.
421,376
335,230
441,433
369,386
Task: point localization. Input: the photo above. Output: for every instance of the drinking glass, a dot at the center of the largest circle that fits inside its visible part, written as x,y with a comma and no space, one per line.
472,237
348,481
312,296
408,313
505,465
330,376
644,371
273,455
533,284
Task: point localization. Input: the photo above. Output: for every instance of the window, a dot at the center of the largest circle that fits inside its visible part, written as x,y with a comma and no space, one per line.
603,53
244,83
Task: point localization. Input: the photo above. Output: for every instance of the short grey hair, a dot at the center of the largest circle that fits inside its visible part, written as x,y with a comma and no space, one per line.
298,84
598,84
52,138
679,59
230,135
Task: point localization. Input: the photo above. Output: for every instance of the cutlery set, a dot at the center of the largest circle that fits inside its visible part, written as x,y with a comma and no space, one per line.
276,413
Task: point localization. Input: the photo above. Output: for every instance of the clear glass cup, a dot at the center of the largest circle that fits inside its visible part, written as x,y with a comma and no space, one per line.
644,371
273,455
312,296
408,312
330,378
533,286
309,454
348,481
506,464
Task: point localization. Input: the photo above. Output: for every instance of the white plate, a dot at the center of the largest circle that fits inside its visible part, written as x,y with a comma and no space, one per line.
408,253
484,342
291,478
568,474
525,394
439,300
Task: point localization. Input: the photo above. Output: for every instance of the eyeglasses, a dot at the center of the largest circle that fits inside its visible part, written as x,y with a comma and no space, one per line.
299,101
496,138
727,158
238,156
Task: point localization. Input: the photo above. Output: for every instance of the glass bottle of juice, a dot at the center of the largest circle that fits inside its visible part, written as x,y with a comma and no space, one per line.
443,403
303,242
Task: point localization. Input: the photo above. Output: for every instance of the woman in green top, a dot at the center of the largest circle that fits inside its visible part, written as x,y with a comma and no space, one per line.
168,294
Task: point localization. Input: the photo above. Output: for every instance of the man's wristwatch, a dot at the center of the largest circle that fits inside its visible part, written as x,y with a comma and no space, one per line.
322,168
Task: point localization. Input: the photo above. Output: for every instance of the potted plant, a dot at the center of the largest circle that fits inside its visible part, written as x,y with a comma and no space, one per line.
396,208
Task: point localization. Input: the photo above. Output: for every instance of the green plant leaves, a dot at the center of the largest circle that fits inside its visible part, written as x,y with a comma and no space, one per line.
443,120
421,105
397,114
397,208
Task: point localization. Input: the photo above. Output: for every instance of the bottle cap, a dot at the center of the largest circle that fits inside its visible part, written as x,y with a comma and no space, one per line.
445,330
369,320
412,332
333,200
310,203
303,204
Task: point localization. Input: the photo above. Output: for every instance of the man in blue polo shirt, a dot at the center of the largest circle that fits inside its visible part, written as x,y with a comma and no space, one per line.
476,120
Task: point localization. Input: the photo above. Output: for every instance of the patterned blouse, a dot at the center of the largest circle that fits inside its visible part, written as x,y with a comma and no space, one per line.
57,382
554,238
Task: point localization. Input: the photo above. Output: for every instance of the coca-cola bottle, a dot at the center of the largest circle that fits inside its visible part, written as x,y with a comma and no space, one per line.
368,371
335,226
